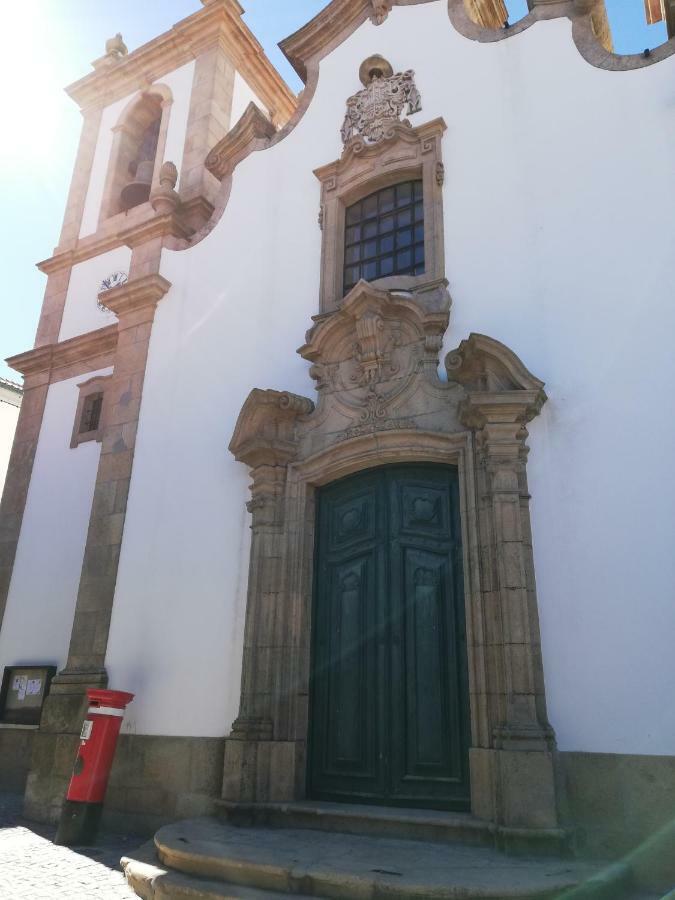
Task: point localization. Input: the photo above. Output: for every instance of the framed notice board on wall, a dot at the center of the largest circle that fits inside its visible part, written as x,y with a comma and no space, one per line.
23,692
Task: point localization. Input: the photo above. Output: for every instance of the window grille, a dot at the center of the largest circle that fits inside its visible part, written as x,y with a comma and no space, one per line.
91,413
384,234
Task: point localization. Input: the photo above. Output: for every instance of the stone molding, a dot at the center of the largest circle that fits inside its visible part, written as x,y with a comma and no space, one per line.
334,24
405,152
135,295
253,131
380,400
218,24
66,359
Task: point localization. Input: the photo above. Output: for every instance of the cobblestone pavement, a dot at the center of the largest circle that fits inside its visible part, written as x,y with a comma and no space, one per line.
33,868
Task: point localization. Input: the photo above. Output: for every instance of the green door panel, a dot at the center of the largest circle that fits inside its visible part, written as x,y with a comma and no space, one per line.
389,697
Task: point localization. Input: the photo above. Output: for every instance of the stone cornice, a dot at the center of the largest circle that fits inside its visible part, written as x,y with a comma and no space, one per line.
333,25
148,225
45,359
326,30
219,23
253,131
136,294
358,147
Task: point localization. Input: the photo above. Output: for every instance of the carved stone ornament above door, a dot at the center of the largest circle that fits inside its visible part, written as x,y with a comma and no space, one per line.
380,400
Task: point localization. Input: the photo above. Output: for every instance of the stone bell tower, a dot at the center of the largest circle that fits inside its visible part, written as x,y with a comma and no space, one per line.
140,184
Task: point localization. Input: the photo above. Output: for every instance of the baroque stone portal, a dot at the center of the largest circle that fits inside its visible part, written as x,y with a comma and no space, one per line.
380,400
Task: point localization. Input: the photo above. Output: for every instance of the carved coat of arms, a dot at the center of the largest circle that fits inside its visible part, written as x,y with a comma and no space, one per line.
380,104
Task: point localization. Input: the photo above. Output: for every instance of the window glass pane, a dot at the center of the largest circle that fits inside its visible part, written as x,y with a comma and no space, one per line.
404,218
370,207
386,224
380,242
403,194
387,244
353,214
386,265
386,200
351,275
403,260
370,270
404,237
369,249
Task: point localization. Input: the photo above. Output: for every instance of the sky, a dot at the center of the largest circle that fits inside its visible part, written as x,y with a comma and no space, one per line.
51,43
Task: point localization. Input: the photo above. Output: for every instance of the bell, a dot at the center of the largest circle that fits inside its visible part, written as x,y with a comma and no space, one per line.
138,190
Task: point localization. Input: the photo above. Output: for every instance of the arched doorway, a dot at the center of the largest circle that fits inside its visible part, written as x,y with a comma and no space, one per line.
389,698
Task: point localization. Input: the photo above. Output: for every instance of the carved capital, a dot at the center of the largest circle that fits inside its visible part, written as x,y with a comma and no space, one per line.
500,390
265,434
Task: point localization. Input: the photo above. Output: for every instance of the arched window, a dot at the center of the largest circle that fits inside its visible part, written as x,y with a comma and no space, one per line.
134,155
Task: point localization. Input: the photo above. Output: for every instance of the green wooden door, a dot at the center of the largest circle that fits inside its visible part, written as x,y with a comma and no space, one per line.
389,720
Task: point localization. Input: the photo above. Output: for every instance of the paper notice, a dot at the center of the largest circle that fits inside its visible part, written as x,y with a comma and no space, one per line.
16,684
22,685
34,686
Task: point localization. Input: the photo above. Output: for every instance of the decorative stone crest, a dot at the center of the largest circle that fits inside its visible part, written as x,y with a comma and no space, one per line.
372,112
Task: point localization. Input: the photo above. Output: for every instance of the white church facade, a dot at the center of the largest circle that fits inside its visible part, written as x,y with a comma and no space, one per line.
345,443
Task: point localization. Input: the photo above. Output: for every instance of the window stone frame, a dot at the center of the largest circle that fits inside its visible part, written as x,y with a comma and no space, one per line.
96,385
405,153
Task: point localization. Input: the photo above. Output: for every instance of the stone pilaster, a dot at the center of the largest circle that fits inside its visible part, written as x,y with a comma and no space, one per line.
523,742
135,304
260,762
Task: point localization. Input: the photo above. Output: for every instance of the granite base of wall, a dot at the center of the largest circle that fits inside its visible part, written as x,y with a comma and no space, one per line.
623,806
16,747
156,780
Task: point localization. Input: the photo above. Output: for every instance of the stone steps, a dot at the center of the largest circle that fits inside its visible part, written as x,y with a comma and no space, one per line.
151,881
374,821
210,860
438,826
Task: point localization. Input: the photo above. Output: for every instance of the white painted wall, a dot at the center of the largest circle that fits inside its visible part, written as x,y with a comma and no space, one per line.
242,95
43,591
559,243
180,82
81,312
9,414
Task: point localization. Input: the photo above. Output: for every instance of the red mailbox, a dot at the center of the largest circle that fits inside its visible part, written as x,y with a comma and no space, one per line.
81,812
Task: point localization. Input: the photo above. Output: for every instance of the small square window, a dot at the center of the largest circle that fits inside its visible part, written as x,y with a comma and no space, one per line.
88,425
